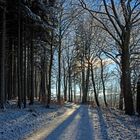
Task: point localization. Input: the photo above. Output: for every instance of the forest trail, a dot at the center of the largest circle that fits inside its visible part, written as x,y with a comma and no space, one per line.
77,126
73,125
85,123
68,122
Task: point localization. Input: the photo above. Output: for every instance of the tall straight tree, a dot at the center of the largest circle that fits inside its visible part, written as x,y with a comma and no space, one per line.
102,79
19,51
2,58
94,86
50,70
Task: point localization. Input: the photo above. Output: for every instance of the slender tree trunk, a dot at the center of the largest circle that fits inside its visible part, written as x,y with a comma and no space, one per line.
69,81
21,61
50,72
28,71
87,82
80,92
25,78
19,57
59,73
9,71
94,87
32,70
74,89
65,88
2,68
25,71
83,86
65,82
36,85
15,71
138,97
103,83
12,73
71,94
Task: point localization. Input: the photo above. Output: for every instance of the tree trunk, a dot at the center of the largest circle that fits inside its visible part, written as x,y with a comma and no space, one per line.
9,63
121,96
69,89
65,81
65,89
138,97
19,57
59,73
50,72
103,83
25,78
126,78
94,87
71,93
32,70
21,61
74,89
2,69
84,98
87,82
43,79
25,71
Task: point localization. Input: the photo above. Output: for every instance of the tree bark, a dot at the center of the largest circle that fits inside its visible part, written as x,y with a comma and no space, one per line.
121,96
59,72
50,72
2,69
103,83
69,80
138,97
32,70
126,78
19,57
94,87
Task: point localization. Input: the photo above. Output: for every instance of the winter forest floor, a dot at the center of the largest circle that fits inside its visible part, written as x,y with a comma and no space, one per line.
69,122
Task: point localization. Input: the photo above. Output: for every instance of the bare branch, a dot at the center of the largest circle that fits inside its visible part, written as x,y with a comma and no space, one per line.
108,14
100,21
116,15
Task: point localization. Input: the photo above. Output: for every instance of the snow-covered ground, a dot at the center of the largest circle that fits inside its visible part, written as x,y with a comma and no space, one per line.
71,122
15,123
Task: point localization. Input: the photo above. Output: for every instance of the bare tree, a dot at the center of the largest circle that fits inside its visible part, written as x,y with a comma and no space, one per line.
119,28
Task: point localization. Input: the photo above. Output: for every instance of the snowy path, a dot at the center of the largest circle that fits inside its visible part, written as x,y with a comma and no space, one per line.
90,124
69,122
76,126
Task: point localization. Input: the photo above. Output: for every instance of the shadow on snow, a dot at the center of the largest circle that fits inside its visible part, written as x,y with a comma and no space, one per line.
75,127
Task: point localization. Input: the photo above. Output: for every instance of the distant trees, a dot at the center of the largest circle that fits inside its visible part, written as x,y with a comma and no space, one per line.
82,43
85,59
66,16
